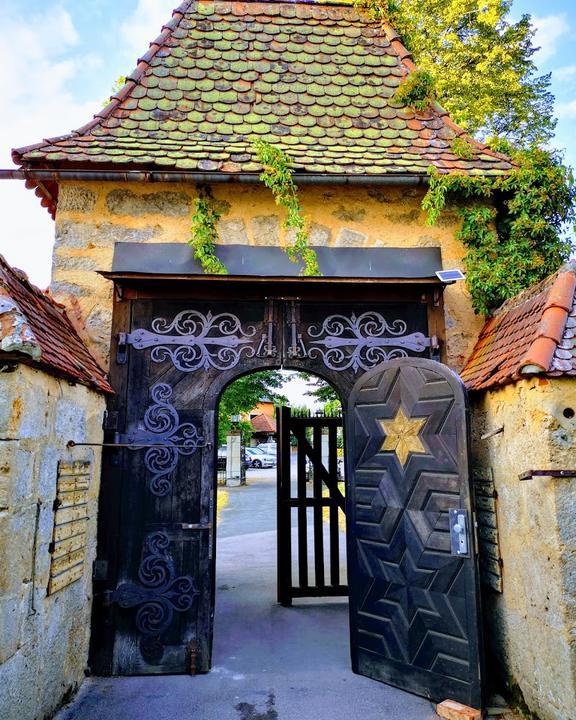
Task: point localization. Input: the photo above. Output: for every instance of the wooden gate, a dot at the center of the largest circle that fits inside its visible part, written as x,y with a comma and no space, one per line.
171,358
412,563
311,482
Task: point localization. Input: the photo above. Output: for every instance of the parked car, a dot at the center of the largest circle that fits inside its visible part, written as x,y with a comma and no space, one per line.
223,454
259,459
269,448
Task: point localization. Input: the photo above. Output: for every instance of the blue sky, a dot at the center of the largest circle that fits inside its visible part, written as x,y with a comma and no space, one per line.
61,58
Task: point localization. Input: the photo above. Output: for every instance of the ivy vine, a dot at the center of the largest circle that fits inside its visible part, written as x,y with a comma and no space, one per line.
514,224
277,176
204,233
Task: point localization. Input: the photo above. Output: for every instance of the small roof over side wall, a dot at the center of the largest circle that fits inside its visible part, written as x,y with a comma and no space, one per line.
317,79
534,333
263,424
35,330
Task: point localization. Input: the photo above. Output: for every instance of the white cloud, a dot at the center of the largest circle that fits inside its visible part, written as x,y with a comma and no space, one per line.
566,109
564,73
37,104
144,25
549,30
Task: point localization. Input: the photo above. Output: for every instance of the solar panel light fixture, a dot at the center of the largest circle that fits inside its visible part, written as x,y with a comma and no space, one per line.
450,276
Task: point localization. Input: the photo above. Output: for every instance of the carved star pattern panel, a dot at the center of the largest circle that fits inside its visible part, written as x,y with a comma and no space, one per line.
414,604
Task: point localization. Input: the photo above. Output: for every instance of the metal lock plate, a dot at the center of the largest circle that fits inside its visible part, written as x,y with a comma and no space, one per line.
459,532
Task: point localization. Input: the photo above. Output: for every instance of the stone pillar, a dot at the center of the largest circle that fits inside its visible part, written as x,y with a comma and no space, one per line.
234,471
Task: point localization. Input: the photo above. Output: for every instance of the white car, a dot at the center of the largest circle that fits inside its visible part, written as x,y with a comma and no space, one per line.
259,459
269,448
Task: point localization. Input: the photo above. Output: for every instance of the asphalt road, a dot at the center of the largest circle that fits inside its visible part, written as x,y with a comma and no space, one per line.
270,662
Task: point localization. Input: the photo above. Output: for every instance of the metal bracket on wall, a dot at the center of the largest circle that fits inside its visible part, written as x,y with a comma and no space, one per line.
529,474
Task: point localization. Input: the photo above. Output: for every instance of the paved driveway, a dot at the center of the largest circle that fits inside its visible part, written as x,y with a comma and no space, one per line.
270,662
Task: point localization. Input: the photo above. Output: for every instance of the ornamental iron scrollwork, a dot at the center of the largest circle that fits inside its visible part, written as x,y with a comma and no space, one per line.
194,341
162,425
158,595
361,342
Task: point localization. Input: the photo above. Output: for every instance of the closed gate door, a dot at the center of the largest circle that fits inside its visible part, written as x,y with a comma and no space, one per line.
171,359
412,568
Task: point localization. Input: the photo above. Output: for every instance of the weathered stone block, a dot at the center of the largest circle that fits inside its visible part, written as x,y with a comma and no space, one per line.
408,216
349,213
320,234
98,325
70,421
71,235
75,198
452,710
23,405
266,230
16,474
16,541
232,232
350,238
126,202
380,195
12,613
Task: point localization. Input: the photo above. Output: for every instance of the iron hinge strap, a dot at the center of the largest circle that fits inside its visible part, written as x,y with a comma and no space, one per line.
297,348
267,347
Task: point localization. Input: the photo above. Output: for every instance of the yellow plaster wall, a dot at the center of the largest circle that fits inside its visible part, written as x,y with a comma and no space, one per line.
532,625
93,216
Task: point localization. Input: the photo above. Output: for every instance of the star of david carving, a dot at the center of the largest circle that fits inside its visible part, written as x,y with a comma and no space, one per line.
403,436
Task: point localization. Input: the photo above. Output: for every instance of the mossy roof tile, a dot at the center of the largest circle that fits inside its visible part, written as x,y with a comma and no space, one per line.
528,335
310,77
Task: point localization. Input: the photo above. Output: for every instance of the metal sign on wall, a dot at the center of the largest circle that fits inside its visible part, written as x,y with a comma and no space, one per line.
68,546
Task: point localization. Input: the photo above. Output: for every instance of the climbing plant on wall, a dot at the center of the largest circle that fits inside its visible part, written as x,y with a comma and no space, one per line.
277,176
513,225
204,232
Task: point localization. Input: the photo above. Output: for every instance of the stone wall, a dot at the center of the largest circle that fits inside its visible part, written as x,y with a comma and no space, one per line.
43,639
531,627
93,216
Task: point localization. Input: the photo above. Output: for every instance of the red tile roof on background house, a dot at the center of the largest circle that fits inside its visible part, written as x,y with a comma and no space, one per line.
263,424
533,333
35,330
317,79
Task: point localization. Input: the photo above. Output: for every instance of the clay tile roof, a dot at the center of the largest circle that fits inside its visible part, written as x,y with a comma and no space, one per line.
34,329
263,424
533,333
317,79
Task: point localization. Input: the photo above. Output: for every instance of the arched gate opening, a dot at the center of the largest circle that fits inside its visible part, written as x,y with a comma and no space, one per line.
176,346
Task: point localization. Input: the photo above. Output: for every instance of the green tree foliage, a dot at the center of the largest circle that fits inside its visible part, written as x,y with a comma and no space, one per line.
417,90
483,72
481,62
116,87
320,390
243,395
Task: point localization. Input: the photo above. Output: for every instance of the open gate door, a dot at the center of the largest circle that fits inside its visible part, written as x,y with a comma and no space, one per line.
414,598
